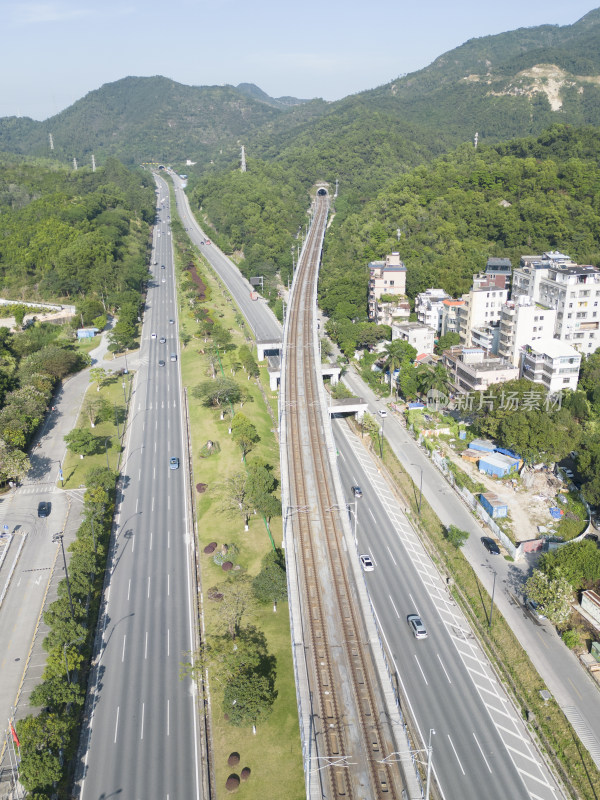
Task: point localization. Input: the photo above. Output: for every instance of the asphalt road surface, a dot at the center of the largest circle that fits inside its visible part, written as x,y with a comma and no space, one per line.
142,743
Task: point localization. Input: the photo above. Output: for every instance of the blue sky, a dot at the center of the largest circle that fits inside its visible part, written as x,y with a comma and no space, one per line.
54,52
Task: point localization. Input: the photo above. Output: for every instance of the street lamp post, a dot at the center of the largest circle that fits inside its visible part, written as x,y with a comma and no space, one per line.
420,487
58,537
492,606
381,438
429,760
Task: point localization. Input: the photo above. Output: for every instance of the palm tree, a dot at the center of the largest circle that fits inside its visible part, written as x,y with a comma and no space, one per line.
394,353
436,378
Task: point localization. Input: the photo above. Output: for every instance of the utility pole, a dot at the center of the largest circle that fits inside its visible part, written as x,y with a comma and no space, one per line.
243,160
51,141
476,139
93,163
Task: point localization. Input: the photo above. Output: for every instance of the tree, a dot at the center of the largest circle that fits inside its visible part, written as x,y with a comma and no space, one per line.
248,698
19,315
270,585
42,738
96,408
235,500
455,536
407,380
14,464
82,442
446,341
553,596
98,375
577,562
433,379
244,433
237,604
395,354
215,393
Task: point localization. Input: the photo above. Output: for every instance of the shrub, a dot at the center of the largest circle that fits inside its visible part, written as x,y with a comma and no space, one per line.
234,759
210,548
245,773
233,783
571,638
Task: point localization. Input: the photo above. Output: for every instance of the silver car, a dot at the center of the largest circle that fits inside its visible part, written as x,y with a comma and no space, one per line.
415,623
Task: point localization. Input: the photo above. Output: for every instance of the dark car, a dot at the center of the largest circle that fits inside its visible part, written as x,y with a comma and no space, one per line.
161,363
44,509
357,491
490,545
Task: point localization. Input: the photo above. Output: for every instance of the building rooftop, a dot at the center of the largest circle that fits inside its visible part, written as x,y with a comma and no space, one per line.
553,348
502,264
413,326
454,302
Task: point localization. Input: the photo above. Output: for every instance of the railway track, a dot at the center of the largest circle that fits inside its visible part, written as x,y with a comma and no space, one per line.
352,738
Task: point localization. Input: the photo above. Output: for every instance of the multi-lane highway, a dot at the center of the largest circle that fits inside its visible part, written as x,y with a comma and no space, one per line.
142,739
480,746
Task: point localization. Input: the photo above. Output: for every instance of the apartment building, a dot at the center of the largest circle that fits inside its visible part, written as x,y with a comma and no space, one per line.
551,362
420,336
451,316
482,307
574,292
500,271
531,270
386,279
473,370
521,321
487,338
429,307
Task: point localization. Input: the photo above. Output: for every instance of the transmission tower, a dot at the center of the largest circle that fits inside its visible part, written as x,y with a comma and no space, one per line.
51,141
476,139
243,160
74,163
93,163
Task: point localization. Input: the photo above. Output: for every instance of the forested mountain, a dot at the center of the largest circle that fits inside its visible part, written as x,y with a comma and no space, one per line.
524,196
150,119
69,234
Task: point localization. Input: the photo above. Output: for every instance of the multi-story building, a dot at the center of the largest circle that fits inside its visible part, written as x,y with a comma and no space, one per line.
574,291
387,279
551,362
481,306
451,316
429,308
472,370
527,277
521,321
487,338
500,271
420,336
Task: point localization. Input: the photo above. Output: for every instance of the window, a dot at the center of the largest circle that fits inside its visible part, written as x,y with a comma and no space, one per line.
391,283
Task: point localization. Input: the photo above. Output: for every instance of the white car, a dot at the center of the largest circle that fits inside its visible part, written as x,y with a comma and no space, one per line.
415,623
382,412
153,336
367,563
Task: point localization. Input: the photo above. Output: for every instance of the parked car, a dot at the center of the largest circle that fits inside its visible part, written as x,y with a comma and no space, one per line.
490,545
533,607
416,625
382,412
357,491
367,563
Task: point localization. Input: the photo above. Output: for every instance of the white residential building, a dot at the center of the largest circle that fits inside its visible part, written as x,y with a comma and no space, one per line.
527,277
482,306
429,307
420,336
451,316
551,362
574,291
472,370
522,321
387,278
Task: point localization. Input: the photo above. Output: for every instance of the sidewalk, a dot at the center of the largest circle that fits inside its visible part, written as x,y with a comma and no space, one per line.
573,689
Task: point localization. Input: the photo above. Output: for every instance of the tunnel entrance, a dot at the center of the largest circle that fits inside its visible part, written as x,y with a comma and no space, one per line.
322,192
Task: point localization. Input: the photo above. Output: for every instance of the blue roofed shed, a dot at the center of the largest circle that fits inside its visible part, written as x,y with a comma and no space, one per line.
484,445
87,333
497,465
494,506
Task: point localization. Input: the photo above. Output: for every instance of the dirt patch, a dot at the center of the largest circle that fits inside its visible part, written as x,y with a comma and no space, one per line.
528,499
199,283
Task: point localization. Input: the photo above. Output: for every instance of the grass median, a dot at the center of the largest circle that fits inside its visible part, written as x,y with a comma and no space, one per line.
273,752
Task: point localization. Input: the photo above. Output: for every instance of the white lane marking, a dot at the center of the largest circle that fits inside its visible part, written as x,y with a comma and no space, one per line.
394,606
153,503
140,474
123,653
456,754
155,447
154,474
444,668
142,731
371,513
421,668
129,588
156,425
148,586
116,726
168,724
146,647
482,753
412,599
132,543
391,555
